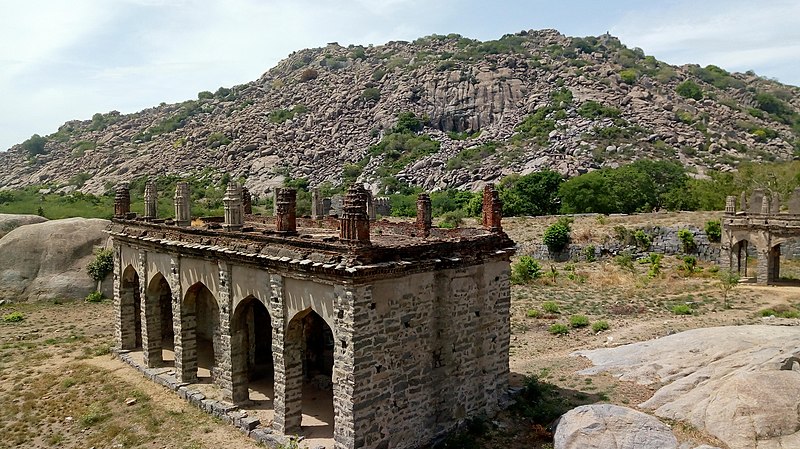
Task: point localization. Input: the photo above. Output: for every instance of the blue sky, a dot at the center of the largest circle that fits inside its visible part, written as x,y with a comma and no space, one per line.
63,60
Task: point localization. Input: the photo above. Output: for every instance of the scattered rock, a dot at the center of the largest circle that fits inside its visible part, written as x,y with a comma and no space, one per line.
608,426
130,401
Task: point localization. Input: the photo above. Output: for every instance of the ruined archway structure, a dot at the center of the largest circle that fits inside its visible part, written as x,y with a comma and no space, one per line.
759,227
409,322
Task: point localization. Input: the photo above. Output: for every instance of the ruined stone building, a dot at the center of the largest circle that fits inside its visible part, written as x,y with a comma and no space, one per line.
400,329
759,230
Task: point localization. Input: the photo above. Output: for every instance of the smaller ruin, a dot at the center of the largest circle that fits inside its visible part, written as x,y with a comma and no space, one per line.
759,227
399,330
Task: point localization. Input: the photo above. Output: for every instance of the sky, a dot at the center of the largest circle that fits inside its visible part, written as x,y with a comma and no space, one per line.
64,60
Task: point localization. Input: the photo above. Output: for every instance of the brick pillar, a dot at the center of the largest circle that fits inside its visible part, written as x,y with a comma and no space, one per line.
222,343
286,210
247,201
150,201
183,214
743,202
756,200
288,381
765,205
354,224
122,201
730,205
492,209
424,214
794,202
232,200
775,206
316,205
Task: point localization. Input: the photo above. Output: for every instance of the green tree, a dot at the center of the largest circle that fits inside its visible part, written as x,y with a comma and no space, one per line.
586,193
34,145
532,194
556,236
408,122
689,89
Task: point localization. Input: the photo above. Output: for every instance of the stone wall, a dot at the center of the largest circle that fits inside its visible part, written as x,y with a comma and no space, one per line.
431,350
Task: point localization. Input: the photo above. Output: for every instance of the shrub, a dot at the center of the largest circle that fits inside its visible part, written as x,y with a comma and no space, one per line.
452,219
628,76
525,270
713,230
558,329
687,240
308,75
533,313
689,89
556,236
643,240
371,94
589,252
594,109
102,265
577,321
690,264
94,297
681,309
550,307
655,264
625,261
13,317
727,281
599,326
34,145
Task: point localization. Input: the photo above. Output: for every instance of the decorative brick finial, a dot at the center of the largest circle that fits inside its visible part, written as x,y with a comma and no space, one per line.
234,216
286,210
492,209
183,214
354,224
150,201
424,214
730,204
122,200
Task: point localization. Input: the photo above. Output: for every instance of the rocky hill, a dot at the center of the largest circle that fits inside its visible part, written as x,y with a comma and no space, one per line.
524,102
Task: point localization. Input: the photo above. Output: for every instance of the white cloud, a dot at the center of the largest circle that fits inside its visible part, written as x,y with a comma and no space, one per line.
735,35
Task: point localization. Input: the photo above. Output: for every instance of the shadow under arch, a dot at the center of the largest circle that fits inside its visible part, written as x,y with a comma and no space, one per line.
743,253
309,338
130,312
161,325
201,331
251,354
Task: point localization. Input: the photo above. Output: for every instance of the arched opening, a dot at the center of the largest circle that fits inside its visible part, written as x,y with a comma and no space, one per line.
309,334
744,259
160,295
130,310
786,261
251,354
201,313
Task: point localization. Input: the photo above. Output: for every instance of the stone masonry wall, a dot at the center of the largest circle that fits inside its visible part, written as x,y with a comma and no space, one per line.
431,350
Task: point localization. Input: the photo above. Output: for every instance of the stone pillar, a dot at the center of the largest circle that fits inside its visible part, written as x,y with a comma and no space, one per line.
151,319
316,205
424,214
765,205
344,363
354,223
756,200
124,308
743,202
150,201
730,205
775,264
287,362
274,201
326,207
492,209
286,211
234,219
371,213
122,201
183,213
794,202
183,326
247,201
775,207
223,376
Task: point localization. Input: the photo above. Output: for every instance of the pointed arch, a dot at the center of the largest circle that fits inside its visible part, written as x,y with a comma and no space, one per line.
200,328
130,307
251,350
159,320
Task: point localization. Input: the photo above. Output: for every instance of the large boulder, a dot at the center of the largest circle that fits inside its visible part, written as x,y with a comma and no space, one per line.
46,261
608,426
9,222
740,384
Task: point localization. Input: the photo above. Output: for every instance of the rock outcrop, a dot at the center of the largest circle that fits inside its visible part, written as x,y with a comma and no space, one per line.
608,426
740,384
9,222
47,261
320,110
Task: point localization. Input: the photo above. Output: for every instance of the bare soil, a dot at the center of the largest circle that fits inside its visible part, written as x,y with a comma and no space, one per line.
60,387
